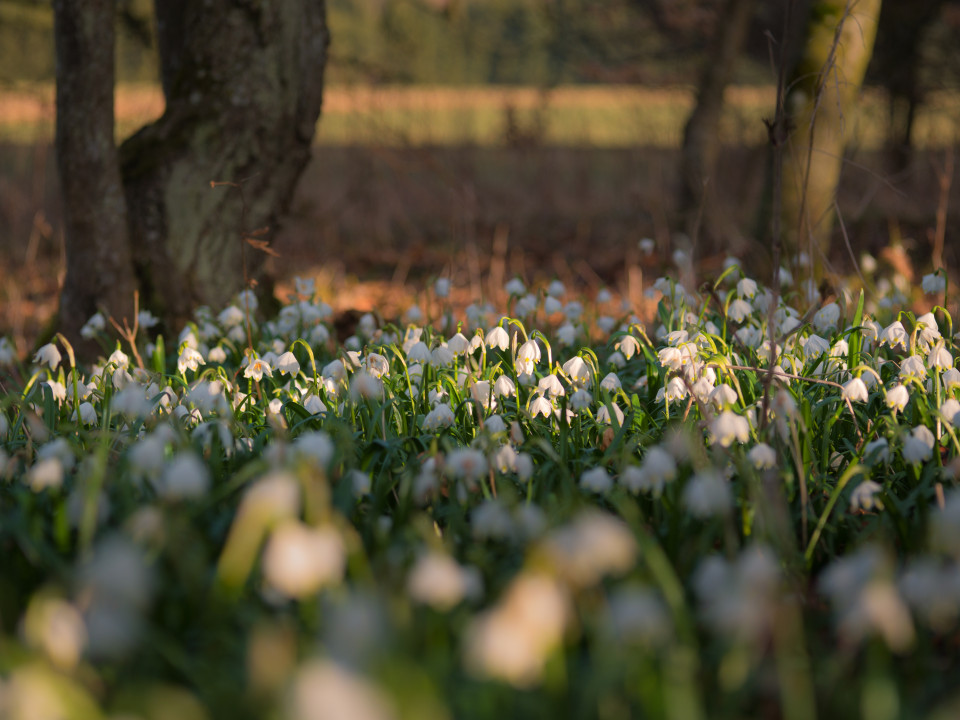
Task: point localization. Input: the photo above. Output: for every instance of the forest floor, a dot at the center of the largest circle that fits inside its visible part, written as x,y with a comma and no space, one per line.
375,223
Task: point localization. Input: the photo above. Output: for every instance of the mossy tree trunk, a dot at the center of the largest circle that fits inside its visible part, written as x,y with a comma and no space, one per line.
99,270
701,135
243,87
822,104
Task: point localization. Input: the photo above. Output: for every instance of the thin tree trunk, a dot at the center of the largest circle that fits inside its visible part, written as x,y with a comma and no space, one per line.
99,273
243,88
822,101
701,135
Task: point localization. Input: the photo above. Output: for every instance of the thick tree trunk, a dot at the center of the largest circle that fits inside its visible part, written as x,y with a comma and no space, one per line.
243,85
822,103
701,136
99,273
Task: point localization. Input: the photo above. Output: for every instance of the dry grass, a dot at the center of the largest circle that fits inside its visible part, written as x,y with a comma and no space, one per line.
596,116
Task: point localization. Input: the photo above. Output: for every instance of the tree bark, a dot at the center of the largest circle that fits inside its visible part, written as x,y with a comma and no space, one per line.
701,135
822,103
243,88
99,272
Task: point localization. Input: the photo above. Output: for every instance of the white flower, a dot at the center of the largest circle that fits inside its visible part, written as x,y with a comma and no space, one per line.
950,378
895,334
611,382
8,354
440,417
539,405
504,387
315,446
814,346
918,445
658,468
497,337
441,356
670,358
864,497
491,520
552,305
826,317
934,283
48,355
360,482
528,355
467,463
57,390
366,386
299,559
578,372
550,387
723,396
287,364
596,480
313,404
762,456
928,330
727,427
707,493
46,473
877,451
636,616
594,544
131,402
556,289
603,415
897,397
513,640
185,477
96,324
855,390
515,287
257,369
939,357
912,368
189,359
442,287
676,390
88,414
747,288
230,317
441,582
739,310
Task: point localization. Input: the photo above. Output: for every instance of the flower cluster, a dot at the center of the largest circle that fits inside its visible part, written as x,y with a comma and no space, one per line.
548,503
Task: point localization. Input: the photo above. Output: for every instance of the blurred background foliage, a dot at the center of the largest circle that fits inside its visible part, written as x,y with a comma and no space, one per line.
511,42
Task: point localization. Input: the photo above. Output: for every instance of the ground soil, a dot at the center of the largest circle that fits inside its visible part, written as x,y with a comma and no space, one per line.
376,225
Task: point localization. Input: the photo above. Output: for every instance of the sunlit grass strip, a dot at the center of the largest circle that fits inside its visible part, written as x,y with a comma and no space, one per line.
594,116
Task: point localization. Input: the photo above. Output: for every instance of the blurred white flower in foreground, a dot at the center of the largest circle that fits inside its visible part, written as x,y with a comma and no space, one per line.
441,582
708,493
513,639
918,445
866,601
933,283
56,627
323,690
592,545
739,599
727,427
48,355
864,496
299,559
